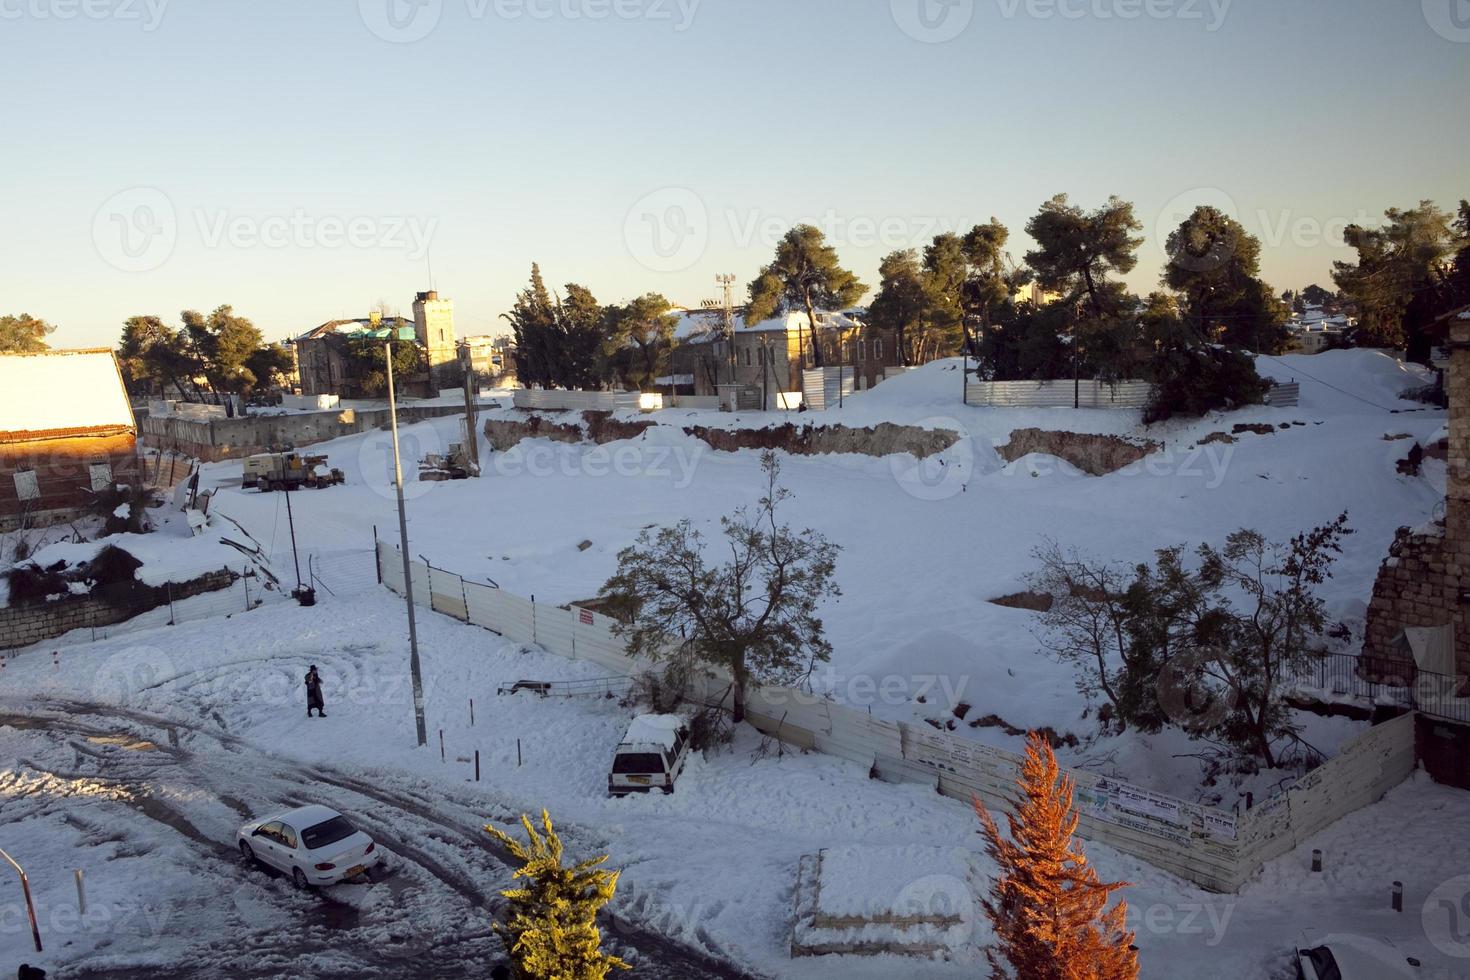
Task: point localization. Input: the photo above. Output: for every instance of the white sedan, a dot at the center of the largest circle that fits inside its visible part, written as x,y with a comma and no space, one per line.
1342,956
315,845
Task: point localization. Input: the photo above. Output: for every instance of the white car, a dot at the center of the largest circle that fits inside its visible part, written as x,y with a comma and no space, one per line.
1342,956
315,845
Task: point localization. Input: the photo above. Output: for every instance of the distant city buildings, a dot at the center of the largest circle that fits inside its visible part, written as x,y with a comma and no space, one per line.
1316,330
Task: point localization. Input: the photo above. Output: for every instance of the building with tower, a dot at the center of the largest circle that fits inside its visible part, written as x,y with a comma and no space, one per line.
433,324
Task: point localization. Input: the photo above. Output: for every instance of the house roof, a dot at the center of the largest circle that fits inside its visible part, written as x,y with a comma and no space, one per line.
359,326
59,393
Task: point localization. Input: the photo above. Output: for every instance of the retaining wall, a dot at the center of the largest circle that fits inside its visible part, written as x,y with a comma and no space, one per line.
216,439
27,624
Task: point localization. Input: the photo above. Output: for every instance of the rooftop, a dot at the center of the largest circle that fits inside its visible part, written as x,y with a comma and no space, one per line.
58,393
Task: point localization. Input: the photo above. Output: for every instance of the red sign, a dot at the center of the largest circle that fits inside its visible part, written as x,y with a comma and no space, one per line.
585,615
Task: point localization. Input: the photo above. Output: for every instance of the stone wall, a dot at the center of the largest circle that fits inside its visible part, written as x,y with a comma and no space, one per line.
237,438
27,624
1422,579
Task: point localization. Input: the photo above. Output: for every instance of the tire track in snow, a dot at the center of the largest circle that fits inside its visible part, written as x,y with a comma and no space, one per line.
653,954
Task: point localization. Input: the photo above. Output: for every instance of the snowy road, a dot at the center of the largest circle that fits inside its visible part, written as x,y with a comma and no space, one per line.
442,882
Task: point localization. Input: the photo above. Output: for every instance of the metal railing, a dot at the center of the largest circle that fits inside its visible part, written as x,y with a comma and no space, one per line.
1389,681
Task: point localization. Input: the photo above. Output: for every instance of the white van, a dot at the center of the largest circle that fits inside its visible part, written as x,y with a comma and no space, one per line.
651,755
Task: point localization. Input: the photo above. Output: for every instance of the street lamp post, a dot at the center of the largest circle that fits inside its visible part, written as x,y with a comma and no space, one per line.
413,635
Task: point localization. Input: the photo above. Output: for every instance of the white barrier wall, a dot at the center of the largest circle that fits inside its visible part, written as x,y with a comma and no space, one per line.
1216,849
1058,394
557,400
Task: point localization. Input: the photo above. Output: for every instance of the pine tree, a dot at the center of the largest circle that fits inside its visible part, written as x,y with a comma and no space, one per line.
1047,904
805,274
551,931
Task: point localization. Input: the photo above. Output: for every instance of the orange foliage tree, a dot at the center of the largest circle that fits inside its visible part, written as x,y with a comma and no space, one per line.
1047,904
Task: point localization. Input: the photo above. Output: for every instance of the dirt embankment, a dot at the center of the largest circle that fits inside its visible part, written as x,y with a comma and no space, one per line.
880,440
506,433
603,427
1096,455
598,427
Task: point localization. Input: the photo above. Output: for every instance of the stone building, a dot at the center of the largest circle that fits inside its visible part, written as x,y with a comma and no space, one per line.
433,324
323,366
67,431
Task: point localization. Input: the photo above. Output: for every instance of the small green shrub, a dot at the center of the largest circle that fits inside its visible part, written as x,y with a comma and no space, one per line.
1191,381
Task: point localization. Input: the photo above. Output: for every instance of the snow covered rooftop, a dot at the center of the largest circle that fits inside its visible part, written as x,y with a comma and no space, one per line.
654,730
62,393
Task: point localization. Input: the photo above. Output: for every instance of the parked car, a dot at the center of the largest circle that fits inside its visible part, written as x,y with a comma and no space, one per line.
315,845
650,756
1342,956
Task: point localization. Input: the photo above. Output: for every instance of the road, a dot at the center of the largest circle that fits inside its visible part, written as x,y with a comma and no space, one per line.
429,915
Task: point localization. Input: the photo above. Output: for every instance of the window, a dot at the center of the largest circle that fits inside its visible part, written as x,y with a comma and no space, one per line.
101,474
638,763
877,348
26,486
327,833
287,836
270,831
862,350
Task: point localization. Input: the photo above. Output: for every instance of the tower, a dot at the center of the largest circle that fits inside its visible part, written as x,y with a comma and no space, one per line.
433,327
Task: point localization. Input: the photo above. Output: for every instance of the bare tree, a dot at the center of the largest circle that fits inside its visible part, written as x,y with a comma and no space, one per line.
754,616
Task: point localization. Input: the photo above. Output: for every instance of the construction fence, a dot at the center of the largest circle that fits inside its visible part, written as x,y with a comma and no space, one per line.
1216,849
1088,393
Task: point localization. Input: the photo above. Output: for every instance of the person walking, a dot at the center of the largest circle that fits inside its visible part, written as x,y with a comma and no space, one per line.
314,693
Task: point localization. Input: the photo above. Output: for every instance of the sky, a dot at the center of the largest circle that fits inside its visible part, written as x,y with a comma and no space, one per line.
303,160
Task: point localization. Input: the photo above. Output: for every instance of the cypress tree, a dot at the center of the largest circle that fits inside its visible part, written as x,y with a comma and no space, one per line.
551,930
1047,904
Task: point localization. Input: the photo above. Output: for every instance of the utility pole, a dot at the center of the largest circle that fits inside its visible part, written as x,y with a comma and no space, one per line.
471,438
413,635
727,281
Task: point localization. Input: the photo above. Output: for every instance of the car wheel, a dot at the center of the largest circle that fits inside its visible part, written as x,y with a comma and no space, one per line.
246,852
298,878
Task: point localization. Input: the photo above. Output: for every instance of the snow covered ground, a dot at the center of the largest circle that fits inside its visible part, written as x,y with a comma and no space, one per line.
90,778
926,546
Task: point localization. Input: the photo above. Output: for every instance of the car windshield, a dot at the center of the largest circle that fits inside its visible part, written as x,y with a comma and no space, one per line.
638,762
327,833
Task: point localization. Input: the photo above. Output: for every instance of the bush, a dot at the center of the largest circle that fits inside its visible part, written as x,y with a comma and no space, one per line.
30,584
113,573
1191,381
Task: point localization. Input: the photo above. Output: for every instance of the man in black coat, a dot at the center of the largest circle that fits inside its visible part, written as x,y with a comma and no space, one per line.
314,693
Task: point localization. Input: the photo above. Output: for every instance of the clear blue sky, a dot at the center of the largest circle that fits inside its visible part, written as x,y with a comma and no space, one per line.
157,163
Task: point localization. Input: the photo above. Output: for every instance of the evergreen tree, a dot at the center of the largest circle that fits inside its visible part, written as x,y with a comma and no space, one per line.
1077,251
580,322
533,324
23,334
639,339
804,275
1215,264
551,928
1315,295
945,272
899,304
1048,905
1399,269
989,285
